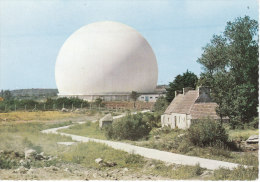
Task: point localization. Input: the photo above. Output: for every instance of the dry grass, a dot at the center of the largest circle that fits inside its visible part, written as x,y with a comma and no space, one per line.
35,116
242,134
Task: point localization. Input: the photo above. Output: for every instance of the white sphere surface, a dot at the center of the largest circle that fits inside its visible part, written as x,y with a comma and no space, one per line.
105,58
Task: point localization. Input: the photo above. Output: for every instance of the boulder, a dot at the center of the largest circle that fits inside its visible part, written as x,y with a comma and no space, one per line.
21,170
106,120
64,110
30,153
252,139
156,137
110,164
39,157
98,160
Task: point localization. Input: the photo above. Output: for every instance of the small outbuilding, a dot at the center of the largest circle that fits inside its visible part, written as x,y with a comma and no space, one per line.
189,106
106,120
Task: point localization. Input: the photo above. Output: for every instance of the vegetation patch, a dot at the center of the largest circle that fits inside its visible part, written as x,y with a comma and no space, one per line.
131,127
239,173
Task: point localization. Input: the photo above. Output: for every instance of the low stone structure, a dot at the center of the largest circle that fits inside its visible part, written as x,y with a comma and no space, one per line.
106,120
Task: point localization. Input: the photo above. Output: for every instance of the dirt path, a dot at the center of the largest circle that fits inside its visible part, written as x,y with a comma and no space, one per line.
167,157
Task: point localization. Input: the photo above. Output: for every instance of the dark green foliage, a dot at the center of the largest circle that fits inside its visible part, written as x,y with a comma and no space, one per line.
187,79
132,159
230,63
153,120
7,163
6,94
207,133
160,105
99,102
131,127
49,104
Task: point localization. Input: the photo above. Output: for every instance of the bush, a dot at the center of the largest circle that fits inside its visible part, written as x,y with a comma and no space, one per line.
160,105
207,133
131,127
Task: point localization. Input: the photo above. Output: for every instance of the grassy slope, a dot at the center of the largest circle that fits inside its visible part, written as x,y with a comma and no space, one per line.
18,137
88,129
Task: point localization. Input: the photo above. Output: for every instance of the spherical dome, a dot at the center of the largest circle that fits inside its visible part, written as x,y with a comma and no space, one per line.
105,58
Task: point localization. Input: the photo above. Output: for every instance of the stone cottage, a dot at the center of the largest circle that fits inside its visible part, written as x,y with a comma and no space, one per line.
188,106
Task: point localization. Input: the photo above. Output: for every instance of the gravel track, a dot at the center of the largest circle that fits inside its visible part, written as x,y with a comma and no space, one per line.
167,157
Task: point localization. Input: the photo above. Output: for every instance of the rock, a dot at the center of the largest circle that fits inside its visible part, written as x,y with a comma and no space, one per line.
39,157
66,143
206,173
250,147
21,170
98,160
106,120
66,170
110,164
30,153
252,139
156,137
125,169
1,152
64,110
180,135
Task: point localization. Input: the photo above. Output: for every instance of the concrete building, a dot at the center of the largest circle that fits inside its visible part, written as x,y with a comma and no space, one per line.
189,106
106,60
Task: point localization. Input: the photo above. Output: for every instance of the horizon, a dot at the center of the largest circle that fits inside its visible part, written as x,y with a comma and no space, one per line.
32,33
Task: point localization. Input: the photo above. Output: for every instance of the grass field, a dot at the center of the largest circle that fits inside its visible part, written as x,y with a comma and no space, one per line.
242,134
38,116
88,129
19,137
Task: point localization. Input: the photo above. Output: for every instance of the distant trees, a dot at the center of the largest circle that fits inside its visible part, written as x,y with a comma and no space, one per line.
187,79
6,94
230,63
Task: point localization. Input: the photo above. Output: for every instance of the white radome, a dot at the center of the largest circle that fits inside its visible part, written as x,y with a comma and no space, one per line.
105,58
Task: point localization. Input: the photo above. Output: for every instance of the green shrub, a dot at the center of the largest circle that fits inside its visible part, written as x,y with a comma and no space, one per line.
133,159
131,127
207,133
6,163
198,170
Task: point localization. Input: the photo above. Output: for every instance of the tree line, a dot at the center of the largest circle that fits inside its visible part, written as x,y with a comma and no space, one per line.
230,68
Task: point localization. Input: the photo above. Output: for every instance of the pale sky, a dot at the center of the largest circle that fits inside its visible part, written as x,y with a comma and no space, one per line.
32,32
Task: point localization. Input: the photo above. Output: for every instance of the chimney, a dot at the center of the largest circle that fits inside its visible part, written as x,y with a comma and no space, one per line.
204,95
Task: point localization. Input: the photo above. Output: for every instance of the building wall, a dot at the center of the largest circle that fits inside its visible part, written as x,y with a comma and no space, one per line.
122,97
174,120
149,97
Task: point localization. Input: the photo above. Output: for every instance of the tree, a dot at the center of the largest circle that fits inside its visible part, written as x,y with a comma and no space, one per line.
160,105
187,79
230,64
134,96
6,94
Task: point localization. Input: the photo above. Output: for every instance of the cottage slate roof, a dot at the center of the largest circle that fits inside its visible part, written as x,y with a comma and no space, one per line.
186,104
